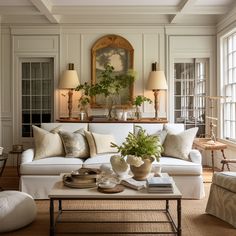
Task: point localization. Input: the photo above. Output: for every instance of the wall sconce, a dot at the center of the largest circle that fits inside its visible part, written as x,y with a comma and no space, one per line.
156,82
70,81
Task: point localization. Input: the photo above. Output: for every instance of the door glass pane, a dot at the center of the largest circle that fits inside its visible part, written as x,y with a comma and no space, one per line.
37,94
35,70
190,83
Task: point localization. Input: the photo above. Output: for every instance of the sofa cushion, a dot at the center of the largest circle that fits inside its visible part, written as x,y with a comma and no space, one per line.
75,144
179,167
98,160
179,145
51,166
172,166
47,143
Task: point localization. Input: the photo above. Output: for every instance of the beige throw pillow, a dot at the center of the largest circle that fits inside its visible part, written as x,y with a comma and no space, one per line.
179,145
47,144
100,143
75,144
91,142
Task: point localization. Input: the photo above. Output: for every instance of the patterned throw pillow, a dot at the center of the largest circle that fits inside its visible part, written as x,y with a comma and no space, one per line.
75,144
100,143
47,144
179,145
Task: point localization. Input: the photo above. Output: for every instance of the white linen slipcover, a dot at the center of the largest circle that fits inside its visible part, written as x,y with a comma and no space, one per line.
38,176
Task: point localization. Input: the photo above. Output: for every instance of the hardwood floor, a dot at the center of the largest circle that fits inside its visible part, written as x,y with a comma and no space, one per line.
10,180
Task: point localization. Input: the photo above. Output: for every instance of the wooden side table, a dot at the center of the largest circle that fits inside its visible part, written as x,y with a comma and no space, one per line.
202,145
18,156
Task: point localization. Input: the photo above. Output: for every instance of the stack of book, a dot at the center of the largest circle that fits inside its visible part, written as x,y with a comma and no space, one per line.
160,185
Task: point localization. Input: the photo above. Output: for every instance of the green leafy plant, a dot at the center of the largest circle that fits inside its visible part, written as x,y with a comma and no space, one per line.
109,83
140,145
139,100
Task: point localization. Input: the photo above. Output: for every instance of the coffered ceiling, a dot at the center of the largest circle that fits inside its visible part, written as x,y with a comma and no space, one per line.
171,12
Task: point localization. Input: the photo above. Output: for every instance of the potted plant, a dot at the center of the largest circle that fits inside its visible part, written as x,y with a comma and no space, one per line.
84,106
140,150
138,101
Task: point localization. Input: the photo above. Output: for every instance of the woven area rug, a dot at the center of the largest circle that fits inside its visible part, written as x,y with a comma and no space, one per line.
194,220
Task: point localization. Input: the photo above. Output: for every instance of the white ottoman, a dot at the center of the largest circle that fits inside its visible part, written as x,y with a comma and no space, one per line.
17,209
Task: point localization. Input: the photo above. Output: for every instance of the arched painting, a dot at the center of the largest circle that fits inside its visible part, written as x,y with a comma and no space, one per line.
118,52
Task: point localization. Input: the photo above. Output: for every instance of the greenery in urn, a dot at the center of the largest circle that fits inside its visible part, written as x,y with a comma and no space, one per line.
109,84
138,147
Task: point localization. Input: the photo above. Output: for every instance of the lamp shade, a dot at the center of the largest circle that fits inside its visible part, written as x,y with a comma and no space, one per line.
69,80
157,81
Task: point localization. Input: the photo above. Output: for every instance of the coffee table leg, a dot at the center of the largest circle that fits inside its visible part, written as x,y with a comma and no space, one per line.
167,205
179,230
59,205
51,217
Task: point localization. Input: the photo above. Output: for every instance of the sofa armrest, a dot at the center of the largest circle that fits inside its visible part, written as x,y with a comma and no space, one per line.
27,156
195,156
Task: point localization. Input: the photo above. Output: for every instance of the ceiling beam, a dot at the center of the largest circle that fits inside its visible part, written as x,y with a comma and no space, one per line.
184,6
44,6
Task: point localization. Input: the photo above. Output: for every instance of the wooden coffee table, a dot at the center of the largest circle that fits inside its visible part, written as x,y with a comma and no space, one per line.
60,192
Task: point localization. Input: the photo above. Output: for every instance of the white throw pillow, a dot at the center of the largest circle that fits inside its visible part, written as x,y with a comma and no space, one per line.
47,144
179,145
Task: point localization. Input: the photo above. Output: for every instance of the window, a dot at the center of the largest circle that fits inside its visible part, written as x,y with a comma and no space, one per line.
190,92
228,88
37,93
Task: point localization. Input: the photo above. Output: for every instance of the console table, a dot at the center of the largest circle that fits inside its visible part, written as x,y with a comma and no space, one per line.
104,120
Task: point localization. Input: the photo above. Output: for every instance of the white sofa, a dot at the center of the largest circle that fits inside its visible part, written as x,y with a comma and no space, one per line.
38,176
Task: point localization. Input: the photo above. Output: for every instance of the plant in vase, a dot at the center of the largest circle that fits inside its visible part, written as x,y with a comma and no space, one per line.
84,105
140,151
138,101
109,86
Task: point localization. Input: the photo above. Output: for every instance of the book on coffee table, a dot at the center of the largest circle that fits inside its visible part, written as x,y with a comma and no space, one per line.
134,184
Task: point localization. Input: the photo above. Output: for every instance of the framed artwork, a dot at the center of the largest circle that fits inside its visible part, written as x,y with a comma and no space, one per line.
118,52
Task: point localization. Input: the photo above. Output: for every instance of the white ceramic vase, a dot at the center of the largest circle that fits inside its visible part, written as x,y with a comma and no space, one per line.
119,166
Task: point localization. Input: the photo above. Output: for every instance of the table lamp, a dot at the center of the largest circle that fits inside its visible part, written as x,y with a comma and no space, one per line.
70,81
156,82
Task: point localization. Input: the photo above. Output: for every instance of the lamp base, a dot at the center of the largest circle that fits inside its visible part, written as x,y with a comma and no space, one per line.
156,102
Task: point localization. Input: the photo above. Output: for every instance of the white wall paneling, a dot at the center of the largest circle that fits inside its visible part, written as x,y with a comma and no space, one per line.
148,47
36,49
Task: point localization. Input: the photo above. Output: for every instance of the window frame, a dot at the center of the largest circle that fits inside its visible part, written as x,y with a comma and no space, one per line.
228,121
